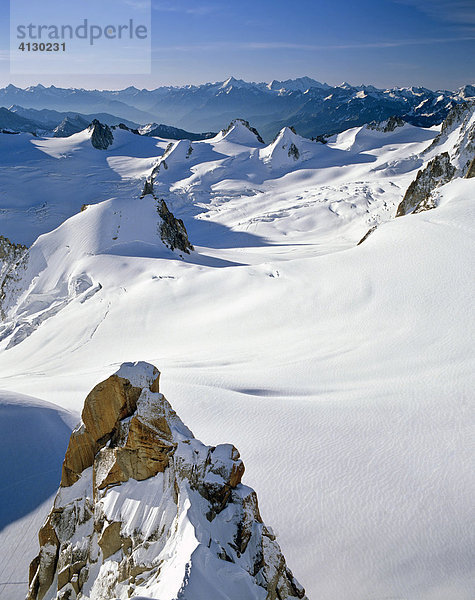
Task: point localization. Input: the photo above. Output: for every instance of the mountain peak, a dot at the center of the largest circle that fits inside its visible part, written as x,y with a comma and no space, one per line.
236,83
287,148
345,86
240,131
301,84
101,135
145,508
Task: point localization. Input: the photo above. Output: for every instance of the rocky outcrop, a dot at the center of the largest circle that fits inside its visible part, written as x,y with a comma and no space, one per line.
145,509
172,230
101,135
148,187
388,125
367,234
126,128
457,139
293,152
418,195
455,117
106,405
471,169
13,258
460,123
10,253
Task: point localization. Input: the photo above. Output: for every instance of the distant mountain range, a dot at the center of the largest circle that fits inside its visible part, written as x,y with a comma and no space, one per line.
18,119
311,107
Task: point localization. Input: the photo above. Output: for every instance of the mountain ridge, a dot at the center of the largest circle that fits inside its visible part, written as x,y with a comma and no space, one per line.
311,107
146,508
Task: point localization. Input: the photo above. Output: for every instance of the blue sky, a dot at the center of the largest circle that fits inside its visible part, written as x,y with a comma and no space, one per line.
382,42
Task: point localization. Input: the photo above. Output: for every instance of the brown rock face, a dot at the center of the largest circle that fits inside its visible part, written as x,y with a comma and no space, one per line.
144,453
110,534
110,541
107,404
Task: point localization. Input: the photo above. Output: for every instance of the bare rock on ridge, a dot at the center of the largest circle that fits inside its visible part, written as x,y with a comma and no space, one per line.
146,509
417,197
172,230
101,135
388,125
13,259
457,142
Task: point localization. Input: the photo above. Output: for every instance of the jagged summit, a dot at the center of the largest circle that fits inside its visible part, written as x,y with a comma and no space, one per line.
235,83
287,148
239,131
451,154
386,126
146,509
345,86
468,91
101,135
69,126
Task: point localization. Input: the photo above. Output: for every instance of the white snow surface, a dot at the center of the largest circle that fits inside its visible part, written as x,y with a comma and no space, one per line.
140,374
342,373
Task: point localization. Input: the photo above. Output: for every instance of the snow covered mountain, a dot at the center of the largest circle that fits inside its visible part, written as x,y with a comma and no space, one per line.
49,119
146,509
172,133
11,122
311,107
69,126
45,122
345,368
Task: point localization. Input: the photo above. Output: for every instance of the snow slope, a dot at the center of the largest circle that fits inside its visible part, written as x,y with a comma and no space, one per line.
44,181
33,438
342,373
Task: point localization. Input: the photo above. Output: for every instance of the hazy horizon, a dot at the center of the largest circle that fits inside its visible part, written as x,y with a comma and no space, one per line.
222,80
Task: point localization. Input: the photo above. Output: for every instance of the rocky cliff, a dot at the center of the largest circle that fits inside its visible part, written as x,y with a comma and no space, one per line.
452,154
418,195
101,135
172,230
145,509
12,257
387,125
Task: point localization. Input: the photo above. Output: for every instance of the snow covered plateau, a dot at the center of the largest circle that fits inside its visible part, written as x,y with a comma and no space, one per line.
326,339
